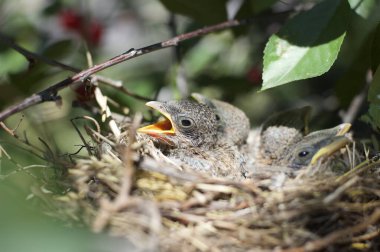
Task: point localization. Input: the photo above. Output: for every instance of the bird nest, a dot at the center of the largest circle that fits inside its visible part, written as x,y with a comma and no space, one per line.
129,189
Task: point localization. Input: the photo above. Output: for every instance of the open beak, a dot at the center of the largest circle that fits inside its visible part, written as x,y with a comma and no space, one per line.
164,126
338,141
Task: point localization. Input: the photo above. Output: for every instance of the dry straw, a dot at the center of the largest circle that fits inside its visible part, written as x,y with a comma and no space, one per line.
131,190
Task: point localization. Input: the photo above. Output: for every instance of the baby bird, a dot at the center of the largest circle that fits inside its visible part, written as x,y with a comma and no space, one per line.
188,135
214,137
283,141
186,123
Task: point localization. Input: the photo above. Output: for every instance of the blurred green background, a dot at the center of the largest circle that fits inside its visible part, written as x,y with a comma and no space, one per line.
226,65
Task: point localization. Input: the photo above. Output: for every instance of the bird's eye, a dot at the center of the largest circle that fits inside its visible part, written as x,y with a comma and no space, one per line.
217,117
186,123
303,154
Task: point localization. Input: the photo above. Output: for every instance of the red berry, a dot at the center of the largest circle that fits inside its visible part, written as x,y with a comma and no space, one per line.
254,75
71,20
95,33
84,92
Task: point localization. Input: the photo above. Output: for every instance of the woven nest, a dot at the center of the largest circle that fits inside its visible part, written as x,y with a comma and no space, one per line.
131,190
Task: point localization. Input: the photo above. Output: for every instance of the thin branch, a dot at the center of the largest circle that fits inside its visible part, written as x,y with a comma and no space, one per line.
329,239
19,169
12,132
119,86
180,77
128,162
33,57
8,130
50,94
123,198
88,148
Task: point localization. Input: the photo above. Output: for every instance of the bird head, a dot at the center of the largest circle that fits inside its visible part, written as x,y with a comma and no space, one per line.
285,139
185,123
233,124
318,144
281,131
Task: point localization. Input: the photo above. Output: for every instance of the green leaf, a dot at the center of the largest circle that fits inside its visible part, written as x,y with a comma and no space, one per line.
374,100
58,49
354,72
374,89
206,12
251,7
359,53
363,8
12,62
214,11
52,8
358,32
375,49
373,117
260,5
307,45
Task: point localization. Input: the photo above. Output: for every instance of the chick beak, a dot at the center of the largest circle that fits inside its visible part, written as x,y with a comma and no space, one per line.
164,126
343,129
338,141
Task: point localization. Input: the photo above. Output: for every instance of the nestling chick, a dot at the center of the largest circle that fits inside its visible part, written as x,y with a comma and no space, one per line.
186,124
189,136
283,141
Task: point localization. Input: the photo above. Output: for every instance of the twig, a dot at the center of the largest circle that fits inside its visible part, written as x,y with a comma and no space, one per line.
128,161
32,57
184,217
50,94
96,125
150,164
366,237
88,148
339,191
12,132
196,201
329,239
101,137
20,167
49,153
123,199
360,168
119,86
180,77
334,236
8,130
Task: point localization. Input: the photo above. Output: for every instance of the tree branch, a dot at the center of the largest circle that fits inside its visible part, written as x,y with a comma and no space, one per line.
50,94
32,57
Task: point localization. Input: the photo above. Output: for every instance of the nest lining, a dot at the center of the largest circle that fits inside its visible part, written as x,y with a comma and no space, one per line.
134,192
